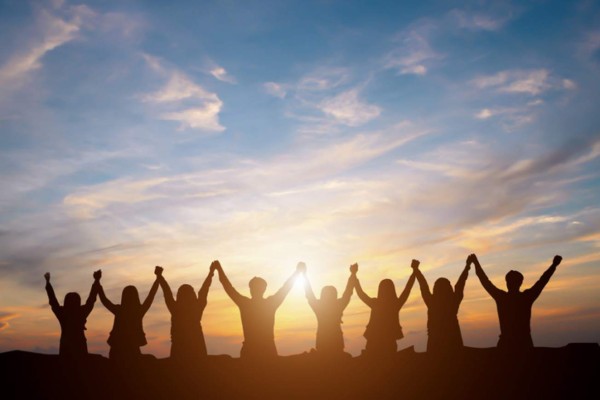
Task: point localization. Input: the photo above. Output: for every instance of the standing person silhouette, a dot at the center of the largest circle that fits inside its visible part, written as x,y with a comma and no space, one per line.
514,306
443,330
383,329
329,310
72,317
258,313
127,334
187,338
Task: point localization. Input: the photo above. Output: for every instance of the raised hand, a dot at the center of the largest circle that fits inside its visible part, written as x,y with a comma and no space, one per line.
415,264
215,265
97,275
468,262
557,260
354,268
158,271
474,259
47,276
301,267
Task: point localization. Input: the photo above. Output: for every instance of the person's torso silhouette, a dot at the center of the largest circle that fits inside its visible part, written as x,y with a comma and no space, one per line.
258,313
329,310
384,329
443,329
187,337
127,334
514,306
72,317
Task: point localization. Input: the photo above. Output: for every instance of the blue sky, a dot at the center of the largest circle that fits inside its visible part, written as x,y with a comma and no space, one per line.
265,133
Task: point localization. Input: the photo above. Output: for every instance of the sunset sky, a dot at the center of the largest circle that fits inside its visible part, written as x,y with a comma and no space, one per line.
263,133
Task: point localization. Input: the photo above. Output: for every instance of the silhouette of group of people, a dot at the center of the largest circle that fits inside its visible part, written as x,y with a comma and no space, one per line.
258,314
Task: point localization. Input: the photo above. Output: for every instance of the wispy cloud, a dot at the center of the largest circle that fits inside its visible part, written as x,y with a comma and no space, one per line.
221,74
480,21
348,109
184,101
53,33
414,55
531,82
275,89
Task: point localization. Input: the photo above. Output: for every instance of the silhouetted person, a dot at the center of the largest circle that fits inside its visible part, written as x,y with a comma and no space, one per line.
127,334
187,338
443,330
514,306
258,313
383,329
329,310
72,317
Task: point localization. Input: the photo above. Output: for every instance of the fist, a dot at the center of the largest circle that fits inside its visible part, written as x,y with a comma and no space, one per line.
415,264
98,274
301,267
557,260
354,268
47,276
158,271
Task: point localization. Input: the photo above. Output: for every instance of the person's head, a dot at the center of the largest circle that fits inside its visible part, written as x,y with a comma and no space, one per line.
258,287
72,300
514,280
186,295
130,297
329,294
387,290
442,288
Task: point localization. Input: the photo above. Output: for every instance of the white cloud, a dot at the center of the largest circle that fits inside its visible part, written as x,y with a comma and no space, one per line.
479,21
55,32
413,56
275,89
205,117
184,101
221,74
348,109
322,79
531,82
569,84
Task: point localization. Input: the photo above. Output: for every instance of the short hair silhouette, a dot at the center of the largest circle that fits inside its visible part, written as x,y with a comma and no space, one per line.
72,317
258,287
443,330
514,280
384,329
258,313
329,310
187,337
514,306
127,334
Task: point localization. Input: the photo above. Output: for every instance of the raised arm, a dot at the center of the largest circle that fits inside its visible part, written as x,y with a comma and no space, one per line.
369,301
203,292
459,287
409,284
167,292
485,282
347,295
52,300
283,291
233,294
105,301
425,292
537,288
308,292
89,304
150,298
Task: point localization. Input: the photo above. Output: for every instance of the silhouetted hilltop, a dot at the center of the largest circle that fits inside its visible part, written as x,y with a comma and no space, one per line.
476,373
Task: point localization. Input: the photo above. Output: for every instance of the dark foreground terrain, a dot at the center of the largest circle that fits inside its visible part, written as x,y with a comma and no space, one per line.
572,371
